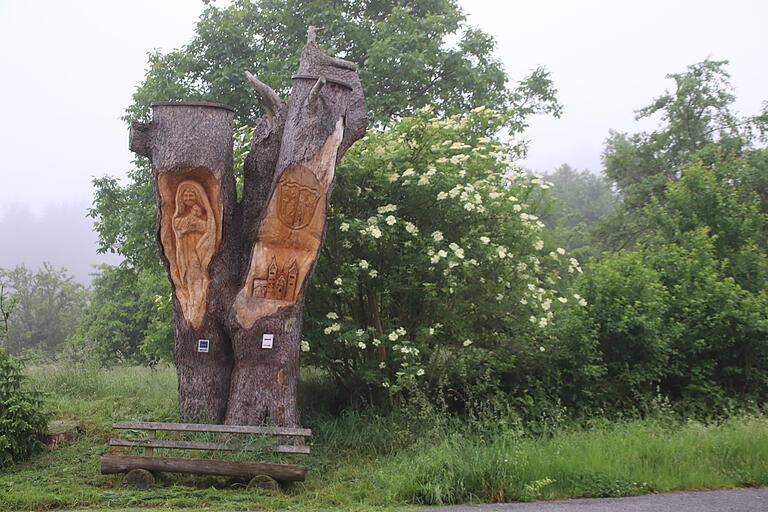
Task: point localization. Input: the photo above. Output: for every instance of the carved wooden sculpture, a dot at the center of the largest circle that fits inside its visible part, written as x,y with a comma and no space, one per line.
240,269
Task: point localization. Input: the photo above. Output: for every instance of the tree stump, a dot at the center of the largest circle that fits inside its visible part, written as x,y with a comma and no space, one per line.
240,269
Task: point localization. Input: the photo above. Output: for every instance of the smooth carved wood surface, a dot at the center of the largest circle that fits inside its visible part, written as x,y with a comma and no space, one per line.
190,232
290,235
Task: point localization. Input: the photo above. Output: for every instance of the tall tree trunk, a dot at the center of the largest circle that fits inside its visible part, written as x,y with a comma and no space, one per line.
240,270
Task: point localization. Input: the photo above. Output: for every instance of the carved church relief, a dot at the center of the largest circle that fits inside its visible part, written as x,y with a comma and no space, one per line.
279,283
289,235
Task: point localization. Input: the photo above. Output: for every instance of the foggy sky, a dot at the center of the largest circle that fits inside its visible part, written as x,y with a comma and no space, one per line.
69,69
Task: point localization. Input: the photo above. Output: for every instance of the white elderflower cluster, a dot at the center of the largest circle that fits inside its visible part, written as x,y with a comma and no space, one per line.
304,346
387,208
332,328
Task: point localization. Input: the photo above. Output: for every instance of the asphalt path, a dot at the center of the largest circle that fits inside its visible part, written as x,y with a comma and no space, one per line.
740,500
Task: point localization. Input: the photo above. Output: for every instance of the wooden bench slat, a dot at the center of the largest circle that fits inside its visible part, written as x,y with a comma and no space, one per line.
199,427
199,445
123,463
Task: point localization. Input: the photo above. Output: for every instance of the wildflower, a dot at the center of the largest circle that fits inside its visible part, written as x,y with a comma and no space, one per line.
386,208
332,328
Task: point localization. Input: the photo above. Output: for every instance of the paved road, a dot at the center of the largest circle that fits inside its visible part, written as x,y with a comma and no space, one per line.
742,500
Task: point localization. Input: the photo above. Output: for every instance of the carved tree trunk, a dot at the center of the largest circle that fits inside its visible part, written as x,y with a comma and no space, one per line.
240,270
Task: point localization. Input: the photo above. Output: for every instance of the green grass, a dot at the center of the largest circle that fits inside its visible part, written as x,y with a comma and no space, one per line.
369,462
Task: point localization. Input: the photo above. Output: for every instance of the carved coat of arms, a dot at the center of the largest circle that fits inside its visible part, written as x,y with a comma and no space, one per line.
296,204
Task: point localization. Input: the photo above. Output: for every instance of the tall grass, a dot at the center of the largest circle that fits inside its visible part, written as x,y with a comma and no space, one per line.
365,460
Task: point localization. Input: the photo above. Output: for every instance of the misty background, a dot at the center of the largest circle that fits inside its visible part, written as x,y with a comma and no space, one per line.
70,68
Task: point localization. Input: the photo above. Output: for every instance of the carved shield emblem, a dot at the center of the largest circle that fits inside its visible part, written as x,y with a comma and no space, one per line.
296,204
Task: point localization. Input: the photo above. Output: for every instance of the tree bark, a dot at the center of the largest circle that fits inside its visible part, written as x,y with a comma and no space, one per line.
240,270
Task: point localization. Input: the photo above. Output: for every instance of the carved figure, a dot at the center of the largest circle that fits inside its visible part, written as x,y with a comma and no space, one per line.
194,229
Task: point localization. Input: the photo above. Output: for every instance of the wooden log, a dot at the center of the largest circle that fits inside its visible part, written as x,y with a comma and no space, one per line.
201,427
199,445
111,464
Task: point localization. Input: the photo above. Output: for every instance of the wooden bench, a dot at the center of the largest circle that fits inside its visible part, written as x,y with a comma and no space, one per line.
111,464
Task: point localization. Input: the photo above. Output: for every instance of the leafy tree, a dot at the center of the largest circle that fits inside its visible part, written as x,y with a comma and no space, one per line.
48,309
22,418
119,317
579,200
697,124
435,274
399,47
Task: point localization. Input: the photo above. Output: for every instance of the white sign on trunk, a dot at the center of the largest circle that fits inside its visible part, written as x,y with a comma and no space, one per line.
266,340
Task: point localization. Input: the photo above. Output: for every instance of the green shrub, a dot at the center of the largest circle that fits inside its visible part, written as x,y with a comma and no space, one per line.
22,420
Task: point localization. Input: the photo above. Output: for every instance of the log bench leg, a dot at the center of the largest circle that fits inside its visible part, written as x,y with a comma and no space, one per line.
139,478
263,482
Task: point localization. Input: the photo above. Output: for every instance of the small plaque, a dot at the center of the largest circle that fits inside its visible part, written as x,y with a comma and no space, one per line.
203,345
266,340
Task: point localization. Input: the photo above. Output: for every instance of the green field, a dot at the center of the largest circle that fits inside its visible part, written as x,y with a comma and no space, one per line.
364,461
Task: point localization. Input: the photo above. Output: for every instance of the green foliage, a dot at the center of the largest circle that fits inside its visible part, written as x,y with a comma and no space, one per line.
22,421
48,307
404,62
432,243
666,321
407,459
579,200
697,125
121,322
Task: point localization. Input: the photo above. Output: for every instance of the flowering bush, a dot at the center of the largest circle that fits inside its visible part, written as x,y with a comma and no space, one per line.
436,271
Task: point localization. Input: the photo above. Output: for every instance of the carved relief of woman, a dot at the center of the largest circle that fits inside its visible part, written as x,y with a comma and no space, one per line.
194,229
